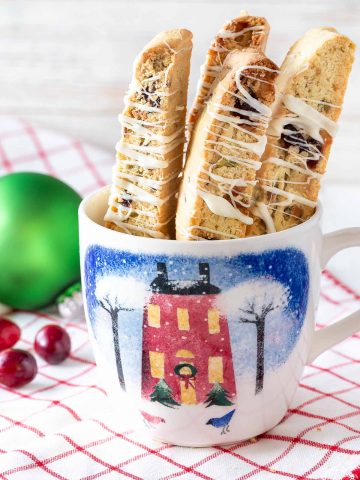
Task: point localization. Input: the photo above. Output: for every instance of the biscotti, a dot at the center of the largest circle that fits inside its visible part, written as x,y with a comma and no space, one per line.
311,85
242,32
225,150
149,154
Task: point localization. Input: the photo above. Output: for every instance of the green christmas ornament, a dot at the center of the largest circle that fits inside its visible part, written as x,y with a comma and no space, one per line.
39,245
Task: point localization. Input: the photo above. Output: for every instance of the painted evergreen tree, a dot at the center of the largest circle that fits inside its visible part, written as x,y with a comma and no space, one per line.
218,396
162,393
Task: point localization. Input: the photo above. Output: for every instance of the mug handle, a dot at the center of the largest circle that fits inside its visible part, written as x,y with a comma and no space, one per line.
329,336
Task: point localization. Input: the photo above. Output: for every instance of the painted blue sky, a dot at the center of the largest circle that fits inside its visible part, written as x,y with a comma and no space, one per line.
287,267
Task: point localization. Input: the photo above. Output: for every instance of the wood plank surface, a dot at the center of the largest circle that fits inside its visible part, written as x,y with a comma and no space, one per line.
66,64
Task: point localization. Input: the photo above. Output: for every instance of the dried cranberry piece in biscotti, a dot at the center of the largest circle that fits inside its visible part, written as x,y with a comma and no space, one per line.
297,139
243,105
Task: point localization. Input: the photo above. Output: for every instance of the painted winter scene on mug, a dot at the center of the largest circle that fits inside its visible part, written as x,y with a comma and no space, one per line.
195,337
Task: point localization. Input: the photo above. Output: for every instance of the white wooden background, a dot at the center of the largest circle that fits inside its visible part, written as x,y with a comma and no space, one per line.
67,63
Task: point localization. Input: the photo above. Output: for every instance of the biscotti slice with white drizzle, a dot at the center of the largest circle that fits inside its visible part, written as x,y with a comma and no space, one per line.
149,154
312,85
225,150
242,32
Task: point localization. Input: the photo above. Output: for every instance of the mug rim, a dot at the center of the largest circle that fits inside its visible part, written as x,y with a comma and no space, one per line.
308,224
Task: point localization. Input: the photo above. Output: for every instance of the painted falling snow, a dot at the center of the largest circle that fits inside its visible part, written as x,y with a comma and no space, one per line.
185,331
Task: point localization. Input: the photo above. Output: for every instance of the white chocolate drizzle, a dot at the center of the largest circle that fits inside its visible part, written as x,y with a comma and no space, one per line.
262,211
129,228
227,197
227,34
290,197
145,146
204,88
307,124
305,117
220,206
292,166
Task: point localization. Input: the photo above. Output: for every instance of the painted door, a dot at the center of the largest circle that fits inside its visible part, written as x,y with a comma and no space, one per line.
187,384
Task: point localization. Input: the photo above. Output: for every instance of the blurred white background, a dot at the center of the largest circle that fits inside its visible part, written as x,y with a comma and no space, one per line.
66,65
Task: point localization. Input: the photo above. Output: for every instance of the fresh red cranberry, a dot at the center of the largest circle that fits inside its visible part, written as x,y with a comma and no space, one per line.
9,333
17,367
53,344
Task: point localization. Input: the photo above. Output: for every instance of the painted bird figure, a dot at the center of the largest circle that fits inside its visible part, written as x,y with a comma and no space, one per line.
151,420
222,422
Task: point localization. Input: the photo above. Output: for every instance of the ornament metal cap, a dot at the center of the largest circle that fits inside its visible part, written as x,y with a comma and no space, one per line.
70,303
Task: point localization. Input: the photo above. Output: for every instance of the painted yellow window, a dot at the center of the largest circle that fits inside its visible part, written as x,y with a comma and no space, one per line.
214,320
154,315
216,374
157,364
184,353
183,318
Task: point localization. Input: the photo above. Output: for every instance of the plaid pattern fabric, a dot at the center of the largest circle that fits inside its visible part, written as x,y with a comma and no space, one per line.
61,426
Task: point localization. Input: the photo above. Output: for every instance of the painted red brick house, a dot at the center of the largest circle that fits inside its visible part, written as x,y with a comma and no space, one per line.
186,339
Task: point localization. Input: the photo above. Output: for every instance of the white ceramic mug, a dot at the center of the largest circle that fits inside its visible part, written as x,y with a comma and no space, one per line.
208,340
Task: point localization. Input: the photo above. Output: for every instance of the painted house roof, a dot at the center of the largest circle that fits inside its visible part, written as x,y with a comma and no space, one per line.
201,286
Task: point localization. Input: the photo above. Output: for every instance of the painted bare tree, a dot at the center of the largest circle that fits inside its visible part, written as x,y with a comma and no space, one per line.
253,302
115,295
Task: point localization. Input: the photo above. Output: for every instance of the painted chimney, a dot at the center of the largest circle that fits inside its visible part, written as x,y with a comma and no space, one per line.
162,271
204,272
